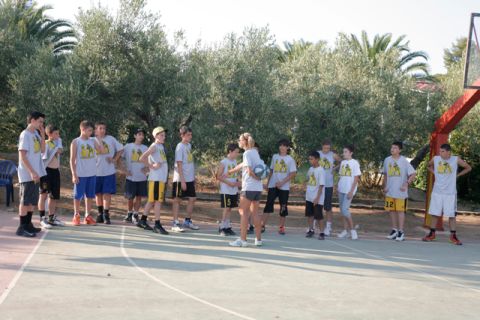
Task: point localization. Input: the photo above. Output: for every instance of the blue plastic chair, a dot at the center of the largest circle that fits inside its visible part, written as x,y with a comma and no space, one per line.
7,171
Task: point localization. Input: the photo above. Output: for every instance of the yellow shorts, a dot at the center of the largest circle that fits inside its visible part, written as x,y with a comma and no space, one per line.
156,191
393,204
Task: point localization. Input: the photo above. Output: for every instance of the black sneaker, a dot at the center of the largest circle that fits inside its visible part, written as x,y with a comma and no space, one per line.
32,229
158,228
128,218
135,218
23,232
251,229
107,218
144,225
310,233
230,232
100,218
321,236
222,232
263,229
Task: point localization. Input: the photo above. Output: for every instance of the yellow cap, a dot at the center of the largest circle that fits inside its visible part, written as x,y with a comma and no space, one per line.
158,130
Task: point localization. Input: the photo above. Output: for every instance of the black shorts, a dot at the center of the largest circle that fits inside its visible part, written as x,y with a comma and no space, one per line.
282,195
229,200
177,191
315,211
135,189
29,192
51,183
327,204
251,195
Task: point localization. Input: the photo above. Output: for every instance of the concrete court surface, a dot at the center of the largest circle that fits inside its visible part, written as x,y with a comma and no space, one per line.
118,272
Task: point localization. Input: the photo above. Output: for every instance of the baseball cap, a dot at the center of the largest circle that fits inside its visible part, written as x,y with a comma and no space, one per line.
158,130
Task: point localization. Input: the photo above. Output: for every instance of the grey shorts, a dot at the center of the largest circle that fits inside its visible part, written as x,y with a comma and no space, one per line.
344,204
251,195
327,204
29,193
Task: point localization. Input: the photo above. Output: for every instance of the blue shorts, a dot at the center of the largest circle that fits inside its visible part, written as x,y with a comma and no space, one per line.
84,188
344,203
106,185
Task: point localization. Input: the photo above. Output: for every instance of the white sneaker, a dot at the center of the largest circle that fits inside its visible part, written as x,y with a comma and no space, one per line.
238,243
354,234
400,236
177,228
343,234
393,234
327,231
44,224
190,225
57,222
258,243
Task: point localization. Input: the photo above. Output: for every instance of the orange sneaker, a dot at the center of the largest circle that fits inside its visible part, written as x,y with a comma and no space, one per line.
454,240
281,230
89,220
430,237
76,219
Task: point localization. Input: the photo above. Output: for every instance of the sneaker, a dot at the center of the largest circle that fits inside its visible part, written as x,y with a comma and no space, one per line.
107,219
258,243
238,243
158,228
176,228
22,232
128,218
251,229
429,237
263,229
354,234
454,240
100,218
281,230
222,232
144,225
76,219
90,221
230,232
393,235
44,224
343,234
327,231
400,236
189,224
321,236
135,218
309,233
54,221
32,229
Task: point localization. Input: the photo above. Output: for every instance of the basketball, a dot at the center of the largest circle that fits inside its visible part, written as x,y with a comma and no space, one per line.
261,171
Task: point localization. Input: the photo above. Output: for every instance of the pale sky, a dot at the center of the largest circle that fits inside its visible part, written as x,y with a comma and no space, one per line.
430,25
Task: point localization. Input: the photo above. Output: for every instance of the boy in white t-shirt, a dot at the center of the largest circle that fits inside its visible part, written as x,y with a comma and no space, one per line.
347,187
229,185
315,196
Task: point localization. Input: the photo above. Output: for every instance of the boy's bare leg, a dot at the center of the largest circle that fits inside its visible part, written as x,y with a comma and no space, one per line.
257,219
244,212
138,204
190,205
175,208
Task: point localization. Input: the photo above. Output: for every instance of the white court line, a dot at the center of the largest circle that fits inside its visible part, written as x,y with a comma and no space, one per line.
422,273
188,295
19,273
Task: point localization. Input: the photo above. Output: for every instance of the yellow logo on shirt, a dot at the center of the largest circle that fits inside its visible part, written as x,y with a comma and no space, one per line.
86,152
189,157
280,166
312,181
444,168
36,145
393,170
325,164
231,175
136,154
106,148
51,144
163,156
345,170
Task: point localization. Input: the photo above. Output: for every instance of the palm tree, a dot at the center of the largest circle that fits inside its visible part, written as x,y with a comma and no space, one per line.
293,50
385,44
31,22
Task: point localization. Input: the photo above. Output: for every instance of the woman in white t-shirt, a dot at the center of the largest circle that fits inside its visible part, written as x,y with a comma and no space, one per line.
251,190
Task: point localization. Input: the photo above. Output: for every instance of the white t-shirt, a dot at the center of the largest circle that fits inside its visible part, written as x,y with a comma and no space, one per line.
183,153
397,172
445,175
51,148
251,158
327,162
349,169
316,178
86,163
132,153
281,167
110,147
228,165
30,142
158,156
